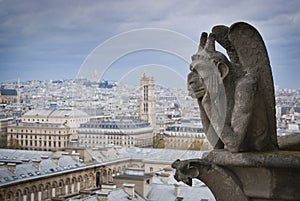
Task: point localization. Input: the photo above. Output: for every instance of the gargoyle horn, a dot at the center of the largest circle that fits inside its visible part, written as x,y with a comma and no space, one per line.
203,40
210,43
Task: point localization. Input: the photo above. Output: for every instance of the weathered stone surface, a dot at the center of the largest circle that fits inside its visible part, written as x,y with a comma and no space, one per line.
289,142
245,176
237,108
236,96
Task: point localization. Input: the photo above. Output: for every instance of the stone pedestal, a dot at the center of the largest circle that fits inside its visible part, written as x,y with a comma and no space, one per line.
251,176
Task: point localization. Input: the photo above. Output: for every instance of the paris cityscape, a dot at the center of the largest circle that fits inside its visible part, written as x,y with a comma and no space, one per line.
95,103
55,127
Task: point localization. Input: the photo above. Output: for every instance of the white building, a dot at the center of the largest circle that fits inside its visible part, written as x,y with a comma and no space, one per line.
126,132
47,129
184,136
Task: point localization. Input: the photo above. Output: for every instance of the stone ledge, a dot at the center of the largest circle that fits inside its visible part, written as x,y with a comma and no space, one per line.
274,159
249,176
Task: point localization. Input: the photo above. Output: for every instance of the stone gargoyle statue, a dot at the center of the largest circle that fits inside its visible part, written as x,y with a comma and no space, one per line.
235,95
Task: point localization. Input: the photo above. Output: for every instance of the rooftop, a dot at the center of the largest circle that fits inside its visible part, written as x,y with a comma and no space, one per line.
59,162
8,92
55,113
126,123
163,192
38,125
25,161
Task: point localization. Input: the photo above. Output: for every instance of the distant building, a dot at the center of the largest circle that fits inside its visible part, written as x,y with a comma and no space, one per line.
148,101
4,122
288,110
51,129
106,84
183,136
8,96
126,131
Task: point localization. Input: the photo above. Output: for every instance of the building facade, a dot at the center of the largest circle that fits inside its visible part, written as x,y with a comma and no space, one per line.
27,175
183,136
51,177
45,129
4,122
8,96
128,132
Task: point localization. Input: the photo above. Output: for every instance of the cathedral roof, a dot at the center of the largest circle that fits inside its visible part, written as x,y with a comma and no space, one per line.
8,92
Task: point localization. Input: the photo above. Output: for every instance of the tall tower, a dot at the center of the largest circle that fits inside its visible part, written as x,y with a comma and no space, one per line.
147,104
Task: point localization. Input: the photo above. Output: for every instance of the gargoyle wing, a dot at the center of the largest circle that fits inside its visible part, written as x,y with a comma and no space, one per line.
221,34
253,58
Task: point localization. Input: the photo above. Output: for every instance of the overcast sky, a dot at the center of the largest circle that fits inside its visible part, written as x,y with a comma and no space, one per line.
43,40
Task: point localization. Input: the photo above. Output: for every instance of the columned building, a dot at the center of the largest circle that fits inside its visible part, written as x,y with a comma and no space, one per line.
45,129
148,102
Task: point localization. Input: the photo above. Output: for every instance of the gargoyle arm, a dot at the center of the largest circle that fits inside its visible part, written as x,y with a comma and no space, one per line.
242,111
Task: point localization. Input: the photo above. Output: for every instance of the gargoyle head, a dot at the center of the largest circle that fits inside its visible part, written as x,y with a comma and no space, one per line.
208,68
185,172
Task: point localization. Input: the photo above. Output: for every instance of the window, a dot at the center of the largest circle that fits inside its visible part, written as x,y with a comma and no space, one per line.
46,192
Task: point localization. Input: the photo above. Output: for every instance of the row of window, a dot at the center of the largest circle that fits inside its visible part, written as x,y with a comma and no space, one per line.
195,135
184,129
36,143
56,120
116,125
50,131
18,136
94,143
107,137
183,141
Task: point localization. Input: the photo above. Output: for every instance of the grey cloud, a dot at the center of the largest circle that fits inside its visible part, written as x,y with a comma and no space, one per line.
54,30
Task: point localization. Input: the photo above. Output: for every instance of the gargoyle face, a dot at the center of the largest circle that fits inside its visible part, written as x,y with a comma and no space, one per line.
196,86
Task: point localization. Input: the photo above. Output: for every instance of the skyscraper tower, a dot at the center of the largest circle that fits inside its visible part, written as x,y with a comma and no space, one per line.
148,102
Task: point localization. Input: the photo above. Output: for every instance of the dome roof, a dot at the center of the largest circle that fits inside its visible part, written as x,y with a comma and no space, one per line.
55,113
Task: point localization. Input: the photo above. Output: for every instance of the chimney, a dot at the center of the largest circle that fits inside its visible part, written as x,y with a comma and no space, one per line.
55,159
75,157
107,187
36,163
177,189
168,169
164,177
129,189
25,160
65,153
102,196
44,157
12,167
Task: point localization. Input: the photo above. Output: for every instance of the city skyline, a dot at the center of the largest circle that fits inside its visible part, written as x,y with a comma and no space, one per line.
51,40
